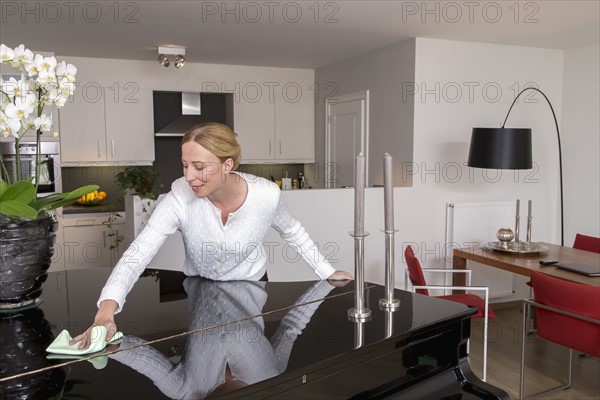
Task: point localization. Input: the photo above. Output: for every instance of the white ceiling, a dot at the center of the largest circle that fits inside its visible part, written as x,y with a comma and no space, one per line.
304,34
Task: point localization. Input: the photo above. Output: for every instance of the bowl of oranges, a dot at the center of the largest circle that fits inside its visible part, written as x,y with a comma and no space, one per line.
92,198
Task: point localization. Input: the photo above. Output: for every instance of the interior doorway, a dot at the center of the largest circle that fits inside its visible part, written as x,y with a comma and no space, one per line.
346,136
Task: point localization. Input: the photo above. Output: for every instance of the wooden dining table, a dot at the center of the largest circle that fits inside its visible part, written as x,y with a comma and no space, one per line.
526,263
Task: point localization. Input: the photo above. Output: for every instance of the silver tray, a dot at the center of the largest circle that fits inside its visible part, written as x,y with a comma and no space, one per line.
523,248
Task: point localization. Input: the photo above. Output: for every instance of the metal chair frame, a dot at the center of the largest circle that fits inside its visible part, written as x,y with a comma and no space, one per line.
527,306
484,289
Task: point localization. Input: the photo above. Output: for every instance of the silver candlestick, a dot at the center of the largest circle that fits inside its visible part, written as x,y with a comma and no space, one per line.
389,303
517,223
389,323
359,334
359,312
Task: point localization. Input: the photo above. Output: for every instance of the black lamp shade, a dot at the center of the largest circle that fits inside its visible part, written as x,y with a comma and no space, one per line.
500,148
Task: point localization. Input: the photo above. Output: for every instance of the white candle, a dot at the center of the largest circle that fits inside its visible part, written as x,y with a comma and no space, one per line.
518,207
529,209
359,195
388,192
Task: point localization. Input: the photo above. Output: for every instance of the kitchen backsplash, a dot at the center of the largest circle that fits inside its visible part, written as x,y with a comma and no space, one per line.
168,162
276,171
105,177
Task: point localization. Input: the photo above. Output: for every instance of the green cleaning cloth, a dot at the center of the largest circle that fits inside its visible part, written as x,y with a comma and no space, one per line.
61,345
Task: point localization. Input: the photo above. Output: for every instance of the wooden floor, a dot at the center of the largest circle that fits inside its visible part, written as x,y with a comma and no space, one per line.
546,363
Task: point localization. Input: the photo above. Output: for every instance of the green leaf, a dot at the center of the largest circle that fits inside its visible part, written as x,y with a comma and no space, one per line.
62,199
22,192
3,186
16,208
42,201
77,193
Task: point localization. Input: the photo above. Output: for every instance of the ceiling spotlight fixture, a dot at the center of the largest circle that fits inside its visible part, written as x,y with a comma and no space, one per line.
179,61
165,52
163,60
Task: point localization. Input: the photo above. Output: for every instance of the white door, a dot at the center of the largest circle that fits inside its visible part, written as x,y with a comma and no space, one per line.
346,136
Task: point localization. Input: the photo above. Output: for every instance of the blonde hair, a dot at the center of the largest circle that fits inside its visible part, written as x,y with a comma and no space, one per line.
217,138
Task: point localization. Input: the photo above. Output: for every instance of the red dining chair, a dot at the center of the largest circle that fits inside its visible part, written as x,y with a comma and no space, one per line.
417,278
588,243
567,313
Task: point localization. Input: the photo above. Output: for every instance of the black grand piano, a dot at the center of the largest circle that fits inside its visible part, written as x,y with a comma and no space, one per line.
195,338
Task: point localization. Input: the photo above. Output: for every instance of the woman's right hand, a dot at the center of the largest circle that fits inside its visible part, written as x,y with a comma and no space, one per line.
104,317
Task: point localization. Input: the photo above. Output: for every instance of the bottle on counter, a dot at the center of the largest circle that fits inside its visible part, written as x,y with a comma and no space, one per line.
301,181
286,183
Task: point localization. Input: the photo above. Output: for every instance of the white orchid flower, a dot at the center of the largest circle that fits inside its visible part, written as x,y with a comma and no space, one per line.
23,105
22,56
43,123
11,111
8,125
46,67
31,68
62,98
60,93
67,71
6,53
55,94
29,99
28,123
12,87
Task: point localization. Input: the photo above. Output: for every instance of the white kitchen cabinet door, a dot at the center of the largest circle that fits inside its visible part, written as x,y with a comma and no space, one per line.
87,241
129,124
82,128
254,124
87,247
295,129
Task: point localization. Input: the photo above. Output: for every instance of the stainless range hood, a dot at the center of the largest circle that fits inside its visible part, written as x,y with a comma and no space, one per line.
191,114
176,112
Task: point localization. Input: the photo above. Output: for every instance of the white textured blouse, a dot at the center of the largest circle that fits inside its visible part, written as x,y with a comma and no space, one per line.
213,250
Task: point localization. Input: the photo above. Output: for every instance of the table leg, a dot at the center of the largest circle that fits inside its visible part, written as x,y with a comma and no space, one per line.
459,279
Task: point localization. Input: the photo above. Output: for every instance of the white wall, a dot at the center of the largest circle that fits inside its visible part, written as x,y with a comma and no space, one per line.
382,72
580,134
496,73
442,130
244,81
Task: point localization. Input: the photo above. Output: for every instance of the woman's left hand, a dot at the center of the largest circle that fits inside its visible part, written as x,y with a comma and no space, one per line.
340,276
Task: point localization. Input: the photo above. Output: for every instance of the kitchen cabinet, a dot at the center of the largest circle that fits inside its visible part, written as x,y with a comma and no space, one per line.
277,130
107,126
88,240
295,129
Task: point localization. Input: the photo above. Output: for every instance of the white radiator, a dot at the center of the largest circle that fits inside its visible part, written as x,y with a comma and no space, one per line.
475,224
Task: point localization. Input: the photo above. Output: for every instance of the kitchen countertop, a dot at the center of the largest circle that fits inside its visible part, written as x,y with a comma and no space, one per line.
98,208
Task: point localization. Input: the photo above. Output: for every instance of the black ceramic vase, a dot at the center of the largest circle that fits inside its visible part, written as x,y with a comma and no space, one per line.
24,337
26,249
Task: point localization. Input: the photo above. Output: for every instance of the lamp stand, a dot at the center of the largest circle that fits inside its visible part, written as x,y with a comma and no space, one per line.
562,219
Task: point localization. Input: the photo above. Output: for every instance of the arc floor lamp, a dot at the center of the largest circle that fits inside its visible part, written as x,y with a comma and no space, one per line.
510,148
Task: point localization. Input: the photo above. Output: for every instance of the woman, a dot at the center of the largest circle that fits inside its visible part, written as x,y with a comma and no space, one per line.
223,217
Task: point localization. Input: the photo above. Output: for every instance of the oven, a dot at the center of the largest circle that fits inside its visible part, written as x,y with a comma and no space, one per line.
48,161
